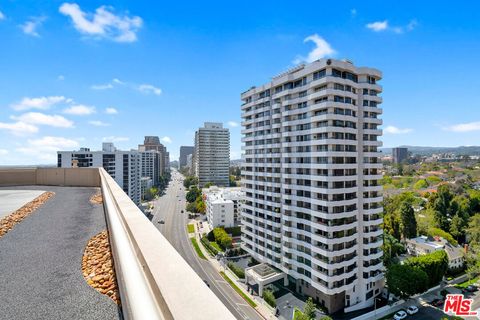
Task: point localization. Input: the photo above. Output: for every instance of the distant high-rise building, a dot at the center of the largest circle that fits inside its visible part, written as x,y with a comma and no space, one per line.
399,155
310,173
212,154
153,143
123,166
184,152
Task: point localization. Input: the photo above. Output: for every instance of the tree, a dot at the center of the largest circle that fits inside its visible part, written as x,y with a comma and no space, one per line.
308,311
190,181
408,223
200,205
441,206
193,193
269,298
222,238
208,185
457,226
391,249
434,264
473,230
405,281
420,184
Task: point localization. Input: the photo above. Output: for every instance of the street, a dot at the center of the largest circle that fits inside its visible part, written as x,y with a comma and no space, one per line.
168,208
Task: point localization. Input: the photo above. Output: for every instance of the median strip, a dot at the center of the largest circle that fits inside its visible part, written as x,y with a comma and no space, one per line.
238,290
197,248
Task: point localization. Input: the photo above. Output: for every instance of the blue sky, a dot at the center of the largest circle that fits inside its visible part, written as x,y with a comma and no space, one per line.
75,74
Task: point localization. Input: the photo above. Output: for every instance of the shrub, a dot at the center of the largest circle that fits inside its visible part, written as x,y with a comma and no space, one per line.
213,251
434,264
222,238
234,231
432,232
269,298
239,272
420,184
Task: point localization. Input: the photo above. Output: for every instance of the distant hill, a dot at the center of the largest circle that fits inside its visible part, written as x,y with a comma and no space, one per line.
427,151
236,163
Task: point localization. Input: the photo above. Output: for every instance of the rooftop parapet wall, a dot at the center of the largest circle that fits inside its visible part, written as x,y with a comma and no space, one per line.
68,177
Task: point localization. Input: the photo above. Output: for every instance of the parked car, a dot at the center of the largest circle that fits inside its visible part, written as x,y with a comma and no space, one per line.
437,302
412,310
400,315
161,221
470,288
206,282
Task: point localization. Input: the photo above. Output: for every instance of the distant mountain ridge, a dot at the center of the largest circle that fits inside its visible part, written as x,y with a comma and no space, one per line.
426,151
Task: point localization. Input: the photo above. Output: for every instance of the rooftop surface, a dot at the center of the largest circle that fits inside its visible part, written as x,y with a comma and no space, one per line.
41,260
12,200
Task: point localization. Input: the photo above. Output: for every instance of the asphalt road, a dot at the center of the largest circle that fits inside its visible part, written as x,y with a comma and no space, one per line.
41,261
168,208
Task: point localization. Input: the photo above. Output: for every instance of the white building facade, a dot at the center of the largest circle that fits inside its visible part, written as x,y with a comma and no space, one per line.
310,176
123,166
223,206
212,154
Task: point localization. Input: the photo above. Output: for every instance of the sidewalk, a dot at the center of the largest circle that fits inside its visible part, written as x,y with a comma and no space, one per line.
262,307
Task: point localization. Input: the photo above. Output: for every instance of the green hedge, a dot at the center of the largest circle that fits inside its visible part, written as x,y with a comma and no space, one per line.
208,246
434,264
239,272
234,231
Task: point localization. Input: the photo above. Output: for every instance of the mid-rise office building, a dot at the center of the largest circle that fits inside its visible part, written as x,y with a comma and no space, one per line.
212,154
185,151
399,155
313,202
123,166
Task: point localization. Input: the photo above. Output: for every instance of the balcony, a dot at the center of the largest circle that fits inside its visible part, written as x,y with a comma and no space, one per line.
151,274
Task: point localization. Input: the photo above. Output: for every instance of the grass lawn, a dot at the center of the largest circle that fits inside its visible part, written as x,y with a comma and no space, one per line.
465,284
191,228
239,291
216,246
197,248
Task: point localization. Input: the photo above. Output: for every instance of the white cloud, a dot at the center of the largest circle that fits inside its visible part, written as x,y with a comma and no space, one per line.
79,110
378,26
3,152
45,149
166,140
103,23
384,26
322,49
353,12
464,127
117,81
37,118
233,124
111,110
98,123
41,103
2,16
30,26
395,130
114,139
148,88
105,86
19,128
60,78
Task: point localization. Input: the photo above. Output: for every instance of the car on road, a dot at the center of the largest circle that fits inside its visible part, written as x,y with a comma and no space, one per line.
181,211
206,282
400,315
470,288
437,303
161,221
412,310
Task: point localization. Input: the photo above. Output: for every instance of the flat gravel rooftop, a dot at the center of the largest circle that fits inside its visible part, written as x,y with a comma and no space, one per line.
12,200
41,260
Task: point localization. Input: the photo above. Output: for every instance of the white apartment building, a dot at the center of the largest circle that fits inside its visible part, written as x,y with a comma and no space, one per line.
123,166
212,154
223,206
310,174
